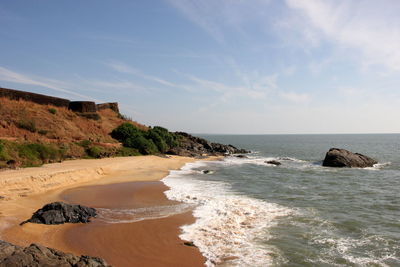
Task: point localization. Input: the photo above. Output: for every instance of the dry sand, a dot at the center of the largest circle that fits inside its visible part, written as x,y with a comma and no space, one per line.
151,242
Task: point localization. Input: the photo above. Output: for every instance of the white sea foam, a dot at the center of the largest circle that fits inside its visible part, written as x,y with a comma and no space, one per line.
140,214
344,246
228,225
378,166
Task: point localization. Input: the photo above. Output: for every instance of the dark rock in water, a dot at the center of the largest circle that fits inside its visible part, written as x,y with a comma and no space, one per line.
337,157
37,255
190,244
241,156
60,212
273,162
206,171
192,146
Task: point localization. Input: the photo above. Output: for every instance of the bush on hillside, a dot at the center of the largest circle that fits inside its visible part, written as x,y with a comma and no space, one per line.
52,111
157,140
95,152
145,146
127,152
170,139
29,125
3,153
84,143
153,141
124,131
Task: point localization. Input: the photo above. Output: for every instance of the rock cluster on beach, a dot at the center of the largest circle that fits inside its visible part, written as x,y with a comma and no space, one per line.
37,255
192,146
337,157
60,212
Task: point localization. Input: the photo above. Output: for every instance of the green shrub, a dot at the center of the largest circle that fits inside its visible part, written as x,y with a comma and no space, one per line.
169,138
3,153
95,152
125,131
29,125
127,152
52,110
157,140
38,151
84,143
145,146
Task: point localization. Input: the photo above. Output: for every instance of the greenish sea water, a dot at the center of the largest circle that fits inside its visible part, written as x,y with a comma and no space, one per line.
250,213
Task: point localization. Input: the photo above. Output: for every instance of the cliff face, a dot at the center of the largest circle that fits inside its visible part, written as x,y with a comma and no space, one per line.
22,120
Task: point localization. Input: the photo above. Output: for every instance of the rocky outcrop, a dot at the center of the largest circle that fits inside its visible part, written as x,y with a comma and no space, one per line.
36,255
60,212
192,146
337,157
273,162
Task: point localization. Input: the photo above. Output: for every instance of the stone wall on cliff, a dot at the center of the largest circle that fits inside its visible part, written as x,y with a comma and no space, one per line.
112,106
82,106
33,97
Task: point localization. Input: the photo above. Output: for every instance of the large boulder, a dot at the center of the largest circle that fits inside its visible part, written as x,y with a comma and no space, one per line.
60,212
37,255
337,157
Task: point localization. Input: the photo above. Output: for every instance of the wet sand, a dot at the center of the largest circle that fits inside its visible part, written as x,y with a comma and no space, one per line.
152,242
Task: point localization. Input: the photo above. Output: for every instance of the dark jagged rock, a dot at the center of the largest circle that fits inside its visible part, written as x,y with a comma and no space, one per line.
206,172
37,255
273,162
189,244
337,157
60,212
241,156
192,146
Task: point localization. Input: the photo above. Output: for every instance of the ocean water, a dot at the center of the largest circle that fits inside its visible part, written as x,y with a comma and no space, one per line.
250,213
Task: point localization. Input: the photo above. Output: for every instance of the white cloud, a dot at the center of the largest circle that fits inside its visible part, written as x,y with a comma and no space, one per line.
295,97
370,27
15,77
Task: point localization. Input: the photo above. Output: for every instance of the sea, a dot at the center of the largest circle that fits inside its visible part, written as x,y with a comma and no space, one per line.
251,213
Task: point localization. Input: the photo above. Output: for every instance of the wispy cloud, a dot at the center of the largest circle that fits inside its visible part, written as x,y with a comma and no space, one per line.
219,17
8,75
124,68
371,27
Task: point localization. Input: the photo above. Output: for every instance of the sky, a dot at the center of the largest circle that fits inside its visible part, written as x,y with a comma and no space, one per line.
214,66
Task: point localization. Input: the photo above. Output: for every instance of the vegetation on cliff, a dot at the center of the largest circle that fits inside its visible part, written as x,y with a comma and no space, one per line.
154,140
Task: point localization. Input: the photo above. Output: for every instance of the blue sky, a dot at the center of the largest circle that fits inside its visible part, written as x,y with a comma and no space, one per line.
214,66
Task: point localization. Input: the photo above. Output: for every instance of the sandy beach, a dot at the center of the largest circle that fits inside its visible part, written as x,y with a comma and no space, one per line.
111,183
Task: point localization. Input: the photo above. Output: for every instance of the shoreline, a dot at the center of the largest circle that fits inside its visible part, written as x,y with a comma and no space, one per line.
49,183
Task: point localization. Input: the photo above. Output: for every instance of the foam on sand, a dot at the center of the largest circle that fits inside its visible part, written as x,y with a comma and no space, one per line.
228,225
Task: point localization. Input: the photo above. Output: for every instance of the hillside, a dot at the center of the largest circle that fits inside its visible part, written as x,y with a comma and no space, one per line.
60,131
37,129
